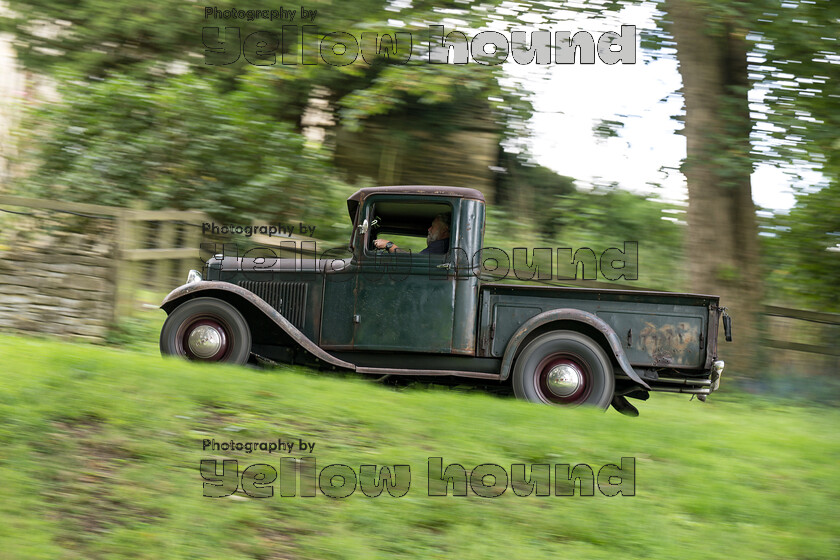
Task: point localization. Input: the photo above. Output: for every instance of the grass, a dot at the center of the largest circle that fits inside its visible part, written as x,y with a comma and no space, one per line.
100,451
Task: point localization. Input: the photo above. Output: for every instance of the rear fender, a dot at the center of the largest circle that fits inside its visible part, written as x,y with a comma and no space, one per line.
568,315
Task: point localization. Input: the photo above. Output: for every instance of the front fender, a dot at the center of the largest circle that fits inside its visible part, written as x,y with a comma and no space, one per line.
569,315
187,291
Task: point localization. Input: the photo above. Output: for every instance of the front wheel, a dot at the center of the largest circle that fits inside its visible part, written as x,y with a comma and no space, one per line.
564,368
207,330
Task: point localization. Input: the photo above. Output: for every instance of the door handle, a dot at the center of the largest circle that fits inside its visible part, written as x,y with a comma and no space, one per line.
447,266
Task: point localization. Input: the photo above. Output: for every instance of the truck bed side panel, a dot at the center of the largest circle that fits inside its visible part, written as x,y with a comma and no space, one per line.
657,329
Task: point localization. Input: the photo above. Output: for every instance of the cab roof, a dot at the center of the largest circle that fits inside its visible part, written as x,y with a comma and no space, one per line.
460,192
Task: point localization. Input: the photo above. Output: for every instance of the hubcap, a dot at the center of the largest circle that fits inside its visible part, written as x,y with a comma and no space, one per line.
564,380
205,341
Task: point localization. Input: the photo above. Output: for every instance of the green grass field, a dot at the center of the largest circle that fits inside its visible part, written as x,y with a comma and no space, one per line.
100,452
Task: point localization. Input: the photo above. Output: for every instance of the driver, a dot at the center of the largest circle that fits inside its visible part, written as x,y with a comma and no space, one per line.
437,239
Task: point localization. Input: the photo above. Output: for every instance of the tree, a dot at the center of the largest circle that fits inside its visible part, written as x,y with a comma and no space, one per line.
722,236
787,52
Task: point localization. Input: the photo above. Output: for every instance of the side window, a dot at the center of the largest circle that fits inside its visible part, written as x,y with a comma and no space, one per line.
414,227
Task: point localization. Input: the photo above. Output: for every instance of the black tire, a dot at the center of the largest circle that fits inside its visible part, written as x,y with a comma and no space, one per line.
583,375
232,335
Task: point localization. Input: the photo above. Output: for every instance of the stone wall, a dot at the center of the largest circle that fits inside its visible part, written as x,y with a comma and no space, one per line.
54,279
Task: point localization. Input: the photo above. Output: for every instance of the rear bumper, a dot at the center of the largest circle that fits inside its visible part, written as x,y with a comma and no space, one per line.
702,385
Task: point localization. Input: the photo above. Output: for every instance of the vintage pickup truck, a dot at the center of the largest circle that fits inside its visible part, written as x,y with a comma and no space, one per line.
431,314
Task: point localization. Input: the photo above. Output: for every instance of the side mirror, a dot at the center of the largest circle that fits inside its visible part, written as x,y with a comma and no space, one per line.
363,227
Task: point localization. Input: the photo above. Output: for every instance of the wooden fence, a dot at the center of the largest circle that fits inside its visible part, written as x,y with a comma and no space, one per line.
156,249
818,332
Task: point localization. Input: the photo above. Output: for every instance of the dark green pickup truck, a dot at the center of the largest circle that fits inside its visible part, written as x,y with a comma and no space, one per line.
433,313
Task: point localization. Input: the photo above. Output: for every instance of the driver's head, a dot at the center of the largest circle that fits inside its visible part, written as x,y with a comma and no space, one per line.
439,228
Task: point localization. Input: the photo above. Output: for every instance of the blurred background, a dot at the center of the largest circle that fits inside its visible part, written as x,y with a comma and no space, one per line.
123,108
718,151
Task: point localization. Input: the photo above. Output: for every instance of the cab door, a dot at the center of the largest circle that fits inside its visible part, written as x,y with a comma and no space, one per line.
404,301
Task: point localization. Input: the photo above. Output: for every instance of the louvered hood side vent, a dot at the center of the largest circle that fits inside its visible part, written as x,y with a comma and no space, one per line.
289,298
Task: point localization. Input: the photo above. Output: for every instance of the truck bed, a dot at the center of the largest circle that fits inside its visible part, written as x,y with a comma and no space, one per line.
656,329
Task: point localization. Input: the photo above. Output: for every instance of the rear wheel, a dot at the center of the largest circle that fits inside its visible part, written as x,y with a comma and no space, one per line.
206,330
564,368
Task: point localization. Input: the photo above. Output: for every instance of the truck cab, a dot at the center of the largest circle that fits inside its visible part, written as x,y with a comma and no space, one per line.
436,292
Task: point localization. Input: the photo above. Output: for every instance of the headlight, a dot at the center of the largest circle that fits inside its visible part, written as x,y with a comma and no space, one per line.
193,276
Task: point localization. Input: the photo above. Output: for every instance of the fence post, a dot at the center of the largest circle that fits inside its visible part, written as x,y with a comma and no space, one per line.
127,270
192,238
166,268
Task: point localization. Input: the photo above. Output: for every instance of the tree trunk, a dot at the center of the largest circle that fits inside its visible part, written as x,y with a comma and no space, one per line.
722,240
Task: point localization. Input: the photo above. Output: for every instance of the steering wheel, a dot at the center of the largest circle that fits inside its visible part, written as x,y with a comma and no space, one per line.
376,223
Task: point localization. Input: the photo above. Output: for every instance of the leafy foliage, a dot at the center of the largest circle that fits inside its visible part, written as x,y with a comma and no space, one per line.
803,251
89,38
796,68
143,118
179,144
600,219
608,217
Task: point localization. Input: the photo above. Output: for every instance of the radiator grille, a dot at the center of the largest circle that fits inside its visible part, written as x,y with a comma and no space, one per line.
289,298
